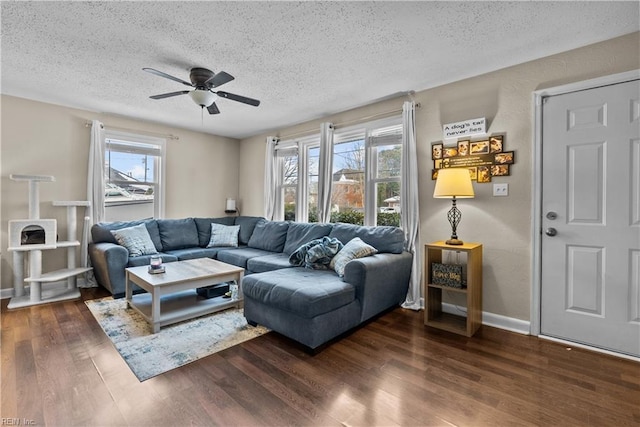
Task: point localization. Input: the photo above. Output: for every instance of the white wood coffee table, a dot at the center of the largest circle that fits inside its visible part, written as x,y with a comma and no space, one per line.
172,296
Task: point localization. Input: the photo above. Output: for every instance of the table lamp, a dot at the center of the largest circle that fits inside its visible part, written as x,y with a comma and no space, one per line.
453,183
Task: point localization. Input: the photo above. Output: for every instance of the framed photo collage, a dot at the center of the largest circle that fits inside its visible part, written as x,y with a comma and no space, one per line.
484,159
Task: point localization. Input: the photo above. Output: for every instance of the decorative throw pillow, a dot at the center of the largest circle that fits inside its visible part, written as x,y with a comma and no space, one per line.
136,239
356,248
223,235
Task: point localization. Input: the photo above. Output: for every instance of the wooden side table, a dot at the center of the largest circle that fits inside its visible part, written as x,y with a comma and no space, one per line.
434,316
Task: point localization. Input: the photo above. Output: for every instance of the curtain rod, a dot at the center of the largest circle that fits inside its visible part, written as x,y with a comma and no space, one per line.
347,123
165,135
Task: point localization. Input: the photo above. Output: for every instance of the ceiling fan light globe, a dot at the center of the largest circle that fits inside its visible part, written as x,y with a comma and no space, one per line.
203,98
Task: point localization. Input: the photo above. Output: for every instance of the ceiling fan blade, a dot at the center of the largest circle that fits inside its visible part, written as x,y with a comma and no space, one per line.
239,98
213,109
166,76
168,95
219,79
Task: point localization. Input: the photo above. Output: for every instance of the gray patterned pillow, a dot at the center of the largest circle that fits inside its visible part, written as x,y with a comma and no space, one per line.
356,248
136,239
223,235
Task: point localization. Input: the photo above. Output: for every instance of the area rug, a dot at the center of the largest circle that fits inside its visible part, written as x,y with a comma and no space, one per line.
176,345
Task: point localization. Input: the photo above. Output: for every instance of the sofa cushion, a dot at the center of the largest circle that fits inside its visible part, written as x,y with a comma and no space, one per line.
146,260
223,235
240,256
268,263
300,233
101,232
204,227
178,233
247,224
193,253
136,239
269,235
386,239
307,293
354,249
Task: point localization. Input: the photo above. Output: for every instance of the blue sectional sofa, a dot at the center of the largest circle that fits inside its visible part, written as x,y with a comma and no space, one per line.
311,306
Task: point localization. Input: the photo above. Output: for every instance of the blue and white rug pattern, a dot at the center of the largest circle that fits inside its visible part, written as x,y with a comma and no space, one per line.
176,345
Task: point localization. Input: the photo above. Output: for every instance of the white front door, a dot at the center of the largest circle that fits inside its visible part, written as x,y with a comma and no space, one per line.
590,261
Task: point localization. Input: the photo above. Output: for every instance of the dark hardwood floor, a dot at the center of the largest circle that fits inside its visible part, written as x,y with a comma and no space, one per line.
60,369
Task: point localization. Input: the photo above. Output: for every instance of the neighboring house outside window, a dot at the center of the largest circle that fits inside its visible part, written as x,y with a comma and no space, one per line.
133,170
365,180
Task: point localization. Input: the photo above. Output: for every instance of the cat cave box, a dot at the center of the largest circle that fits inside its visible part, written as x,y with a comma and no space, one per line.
32,234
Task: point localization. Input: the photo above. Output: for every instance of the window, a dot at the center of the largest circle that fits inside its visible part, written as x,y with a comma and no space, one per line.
348,177
311,163
385,147
366,174
297,181
366,179
134,166
288,162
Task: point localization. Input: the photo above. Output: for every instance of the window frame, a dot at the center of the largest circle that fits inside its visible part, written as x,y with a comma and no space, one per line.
283,150
305,145
302,147
134,143
371,158
371,143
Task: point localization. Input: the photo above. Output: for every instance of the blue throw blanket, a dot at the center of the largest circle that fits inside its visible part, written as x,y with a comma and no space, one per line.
316,254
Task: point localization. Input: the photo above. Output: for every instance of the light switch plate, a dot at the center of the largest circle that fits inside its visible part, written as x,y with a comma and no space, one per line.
500,189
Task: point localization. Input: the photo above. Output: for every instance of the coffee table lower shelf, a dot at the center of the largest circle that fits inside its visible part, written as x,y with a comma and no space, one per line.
180,306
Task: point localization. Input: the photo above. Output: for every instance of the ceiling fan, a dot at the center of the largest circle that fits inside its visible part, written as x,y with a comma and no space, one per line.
203,81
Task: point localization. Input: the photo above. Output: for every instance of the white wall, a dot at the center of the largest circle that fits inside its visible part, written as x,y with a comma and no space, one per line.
45,139
502,224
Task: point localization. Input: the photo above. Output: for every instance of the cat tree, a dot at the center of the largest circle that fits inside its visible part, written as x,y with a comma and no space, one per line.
29,237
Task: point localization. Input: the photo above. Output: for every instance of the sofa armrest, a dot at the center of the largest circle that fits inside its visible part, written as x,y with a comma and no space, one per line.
381,281
109,261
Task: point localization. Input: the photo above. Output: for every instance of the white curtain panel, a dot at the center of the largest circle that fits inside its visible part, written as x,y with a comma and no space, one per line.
95,178
409,204
325,172
270,178
95,195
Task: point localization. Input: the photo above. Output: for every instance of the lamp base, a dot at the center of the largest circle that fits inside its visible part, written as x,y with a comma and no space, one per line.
454,242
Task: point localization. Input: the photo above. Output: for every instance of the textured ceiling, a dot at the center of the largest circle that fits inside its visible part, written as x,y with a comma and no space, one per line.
303,60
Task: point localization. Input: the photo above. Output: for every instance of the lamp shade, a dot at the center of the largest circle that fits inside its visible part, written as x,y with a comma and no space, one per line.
203,98
453,182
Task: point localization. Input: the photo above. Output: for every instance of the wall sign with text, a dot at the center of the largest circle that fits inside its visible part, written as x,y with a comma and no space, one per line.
484,159
465,128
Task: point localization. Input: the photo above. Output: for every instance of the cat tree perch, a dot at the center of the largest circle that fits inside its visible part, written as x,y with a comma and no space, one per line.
29,237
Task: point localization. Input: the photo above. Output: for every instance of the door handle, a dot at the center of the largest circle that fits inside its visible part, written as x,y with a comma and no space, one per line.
550,231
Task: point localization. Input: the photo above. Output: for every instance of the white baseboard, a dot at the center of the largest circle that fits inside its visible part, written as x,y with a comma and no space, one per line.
8,292
495,320
570,344
489,319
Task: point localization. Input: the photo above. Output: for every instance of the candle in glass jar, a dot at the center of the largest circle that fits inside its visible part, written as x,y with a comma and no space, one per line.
156,262
231,205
